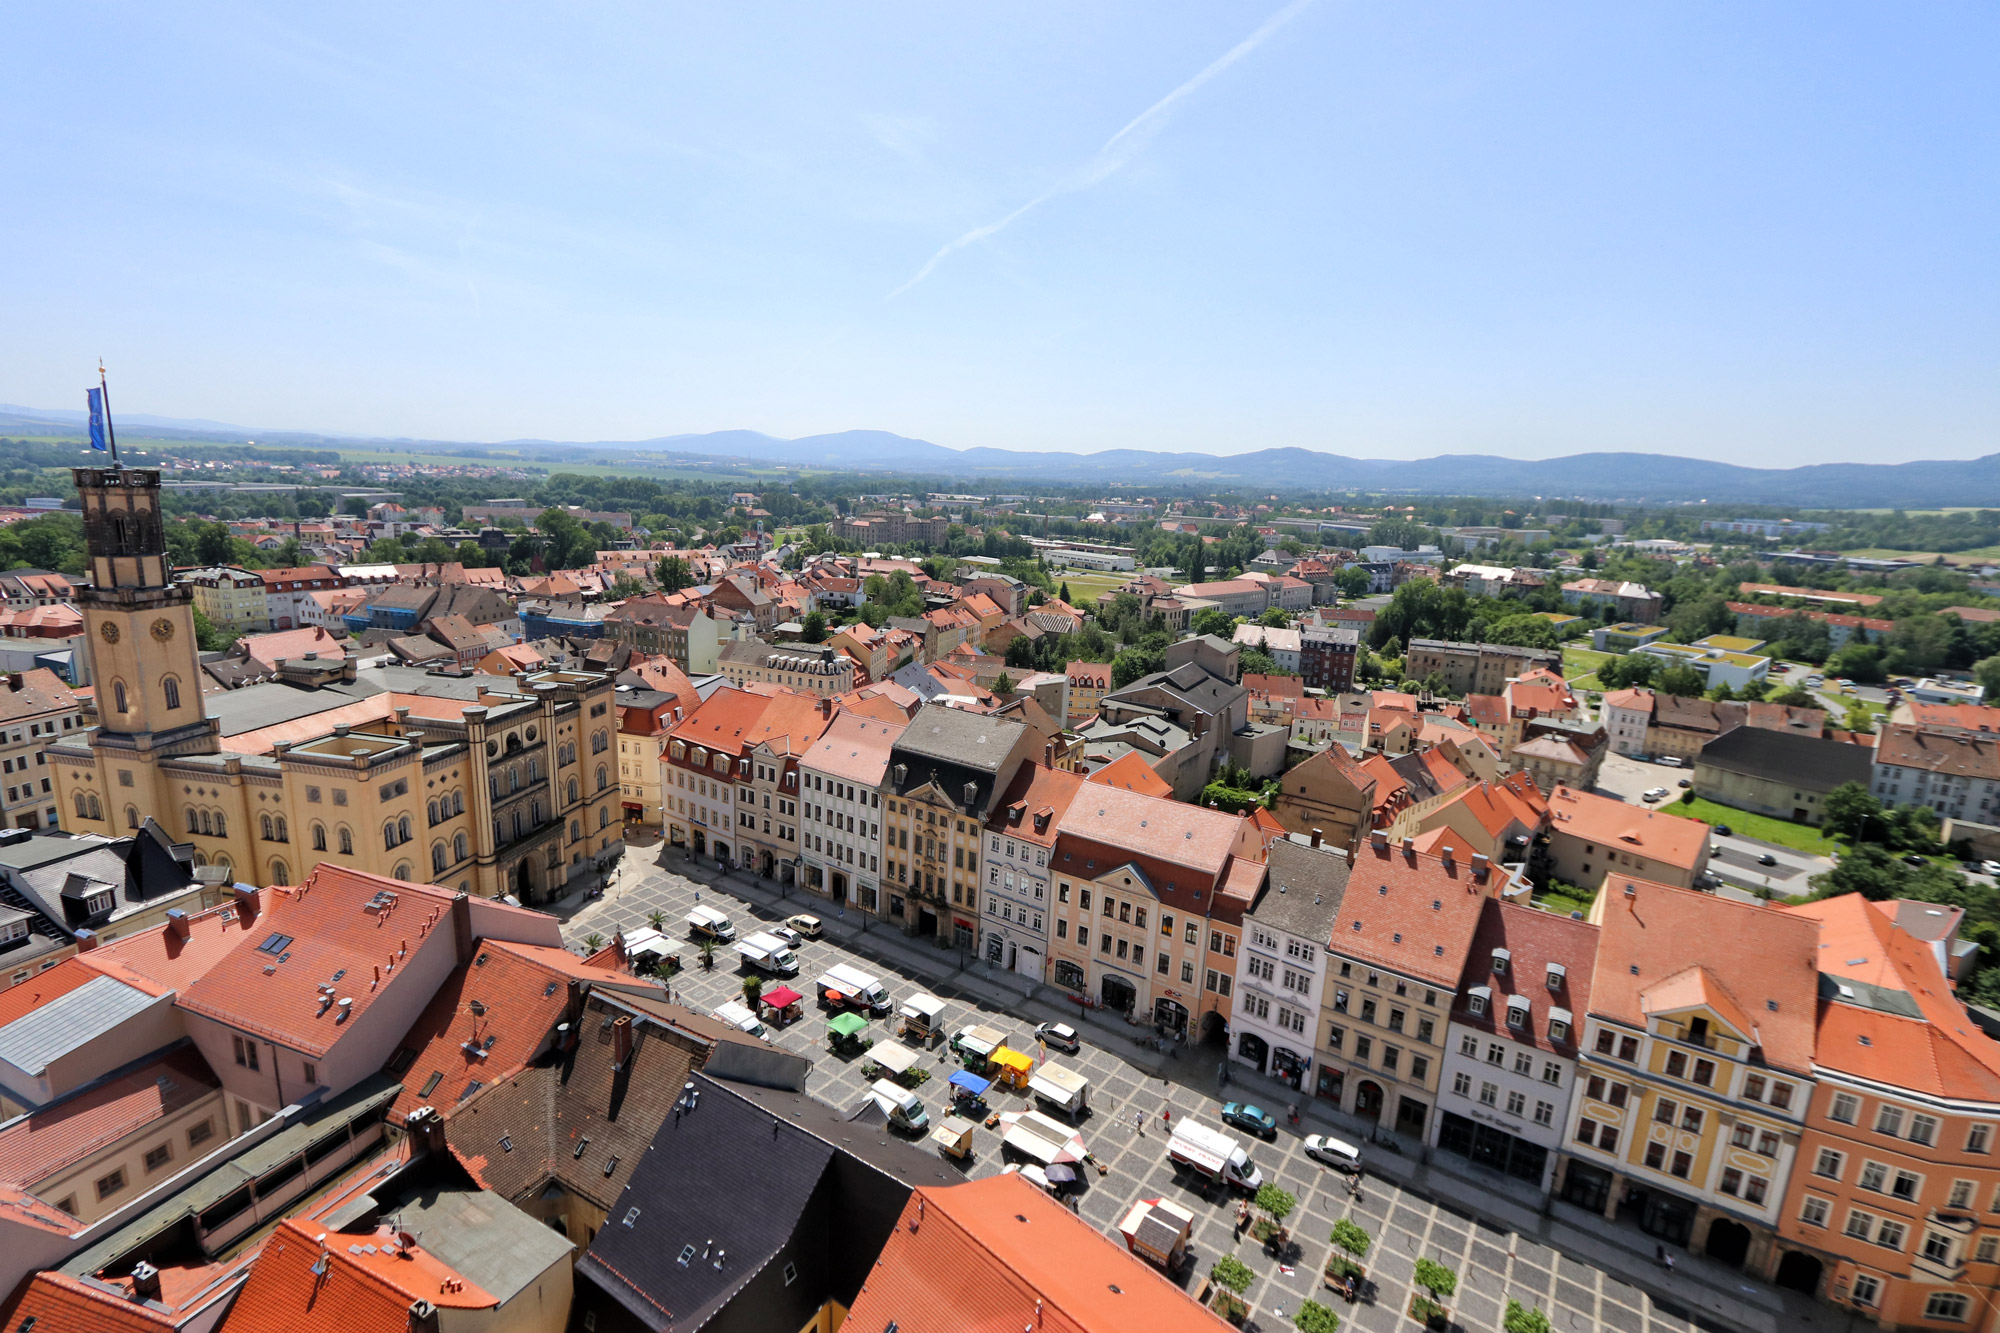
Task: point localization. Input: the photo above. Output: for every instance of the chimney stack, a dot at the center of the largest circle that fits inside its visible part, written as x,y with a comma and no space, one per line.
1379,839
1481,865
621,1041
1410,847
145,1277
423,1317
246,901
426,1130
177,924
1317,834
86,940
1447,853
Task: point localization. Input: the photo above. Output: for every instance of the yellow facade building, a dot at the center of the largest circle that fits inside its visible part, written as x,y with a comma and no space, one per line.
491,785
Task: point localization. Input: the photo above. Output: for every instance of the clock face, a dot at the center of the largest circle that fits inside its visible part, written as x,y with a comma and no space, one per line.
163,629
108,631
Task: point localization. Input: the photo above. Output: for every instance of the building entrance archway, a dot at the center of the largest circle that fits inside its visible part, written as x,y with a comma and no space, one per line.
1252,1050
1799,1271
1118,993
1728,1242
1368,1099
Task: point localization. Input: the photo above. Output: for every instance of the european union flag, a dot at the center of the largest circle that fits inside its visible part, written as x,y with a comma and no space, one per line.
96,397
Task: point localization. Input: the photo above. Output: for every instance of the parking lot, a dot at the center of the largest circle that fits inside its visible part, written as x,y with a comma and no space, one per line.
1496,1242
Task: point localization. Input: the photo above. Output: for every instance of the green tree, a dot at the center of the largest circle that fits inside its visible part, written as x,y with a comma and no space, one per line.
213,544
1684,681
1353,581
1316,1318
1349,1236
813,627
1274,619
1276,1203
209,636
673,573
1133,663
1793,696
1213,620
1435,1278
1919,643
1233,1273
1255,661
1987,672
1003,684
1524,1318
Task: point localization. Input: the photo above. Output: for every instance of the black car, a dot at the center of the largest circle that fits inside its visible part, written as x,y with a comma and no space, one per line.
1767,860
1723,830
1914,860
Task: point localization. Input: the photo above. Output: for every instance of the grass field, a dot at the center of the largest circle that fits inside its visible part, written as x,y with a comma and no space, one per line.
1580,666
1783,832
1086,585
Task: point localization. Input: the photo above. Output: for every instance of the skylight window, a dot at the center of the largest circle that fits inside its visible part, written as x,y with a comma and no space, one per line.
275,943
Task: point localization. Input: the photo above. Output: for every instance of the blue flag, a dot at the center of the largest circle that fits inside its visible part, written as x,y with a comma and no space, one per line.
96,397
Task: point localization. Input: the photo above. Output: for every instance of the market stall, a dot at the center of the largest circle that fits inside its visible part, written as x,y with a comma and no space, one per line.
1012,1067
891,1060
846,1033
1036,1136
968,1092
782,1005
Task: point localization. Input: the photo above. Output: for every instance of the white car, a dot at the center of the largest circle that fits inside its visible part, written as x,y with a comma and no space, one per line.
1990,867
1654,794
1336,1153
787,934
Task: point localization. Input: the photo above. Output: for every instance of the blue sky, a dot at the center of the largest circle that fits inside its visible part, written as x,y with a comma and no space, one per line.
1761,233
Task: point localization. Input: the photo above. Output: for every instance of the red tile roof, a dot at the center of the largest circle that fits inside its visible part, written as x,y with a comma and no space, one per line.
998,1254
1533,939
1035,790
332,930
160,961
283,1295
1133,773
37,1146
1661,948
855,747
518,1001
38,990
1600,819
55,1302
1409,912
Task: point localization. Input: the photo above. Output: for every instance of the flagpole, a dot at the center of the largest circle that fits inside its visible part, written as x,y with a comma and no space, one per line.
110,431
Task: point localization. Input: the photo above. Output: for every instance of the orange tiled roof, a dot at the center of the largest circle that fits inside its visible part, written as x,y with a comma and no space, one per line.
1410,912
1661,948
357,1293
1006,1250
52,1302
38,990
37,1146
1133,773
1600,819
330,931
160,961
519,1001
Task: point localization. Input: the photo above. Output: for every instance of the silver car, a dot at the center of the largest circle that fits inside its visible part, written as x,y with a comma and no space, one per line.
1336,1153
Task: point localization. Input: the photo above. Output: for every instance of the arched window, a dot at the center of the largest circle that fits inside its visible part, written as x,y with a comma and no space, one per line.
121,533
280,873
388,834
597,742
535,813
346,841
603,815
172,688
200,859
572,789
118,696
602,779
458,847
575,829
534,769
438,861
264,825
458,802
221,825
131,817
96,810
284,829
431,808
319,837
202,817
82,809
403,829
513,779
402,870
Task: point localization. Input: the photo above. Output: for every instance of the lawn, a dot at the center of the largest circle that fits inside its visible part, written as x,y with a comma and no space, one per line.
1563,903
1783,832
1580,666
1085,585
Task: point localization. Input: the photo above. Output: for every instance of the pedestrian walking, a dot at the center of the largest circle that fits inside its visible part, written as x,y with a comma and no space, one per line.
1166,1119
1139,1122
1292,1113
1670,1265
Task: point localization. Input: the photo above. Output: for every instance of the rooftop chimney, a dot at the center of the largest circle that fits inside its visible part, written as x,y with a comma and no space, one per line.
1317,834
1481,865
426,1130
145,1277
1379,840
1447,854
246,901
86,940
177,923
1409,847
423,1317
621,1041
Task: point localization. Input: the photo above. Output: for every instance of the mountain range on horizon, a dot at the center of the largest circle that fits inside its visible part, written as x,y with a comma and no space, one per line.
1599,476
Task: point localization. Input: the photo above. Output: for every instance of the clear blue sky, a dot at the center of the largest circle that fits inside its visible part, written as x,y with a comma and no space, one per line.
1757,232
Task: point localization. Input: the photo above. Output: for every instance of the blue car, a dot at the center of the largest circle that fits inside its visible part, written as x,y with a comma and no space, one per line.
1255,1119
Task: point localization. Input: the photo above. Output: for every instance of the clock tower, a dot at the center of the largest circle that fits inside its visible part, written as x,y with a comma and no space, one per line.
139,622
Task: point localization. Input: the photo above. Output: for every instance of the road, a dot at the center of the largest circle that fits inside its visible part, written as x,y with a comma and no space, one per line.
1736,859
1502,1238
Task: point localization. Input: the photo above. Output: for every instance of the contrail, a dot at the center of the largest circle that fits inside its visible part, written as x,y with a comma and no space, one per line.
1119,149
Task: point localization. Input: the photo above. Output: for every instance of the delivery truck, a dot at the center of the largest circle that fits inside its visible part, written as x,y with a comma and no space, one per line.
1214,1155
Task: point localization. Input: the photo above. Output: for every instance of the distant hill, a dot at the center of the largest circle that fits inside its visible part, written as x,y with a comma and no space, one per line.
1629,477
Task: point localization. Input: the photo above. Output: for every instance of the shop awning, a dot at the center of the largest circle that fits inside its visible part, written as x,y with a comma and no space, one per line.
892,1056
971,1082
1009,1058
848,1025
784,997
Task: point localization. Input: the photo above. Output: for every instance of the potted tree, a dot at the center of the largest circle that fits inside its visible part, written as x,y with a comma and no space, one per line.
1316,1318
1230,1277
593,942
656,919
1524,1318
1350,1244
1440,1282
1276,1205
753,990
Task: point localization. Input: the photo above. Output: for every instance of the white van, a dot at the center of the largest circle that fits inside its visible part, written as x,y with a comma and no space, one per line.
739,1017
705,923
855,987
901,1106
767,953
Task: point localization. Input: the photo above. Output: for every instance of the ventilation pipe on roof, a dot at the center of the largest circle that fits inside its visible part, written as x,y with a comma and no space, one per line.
1410,848
1481,866
621,1042
1446,854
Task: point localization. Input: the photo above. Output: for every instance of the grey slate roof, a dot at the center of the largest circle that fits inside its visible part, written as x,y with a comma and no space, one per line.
69,1021
1303,888
1806,762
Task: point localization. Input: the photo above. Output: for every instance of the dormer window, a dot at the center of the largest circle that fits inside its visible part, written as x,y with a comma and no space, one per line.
1501,958
97,902
1556,974
1517,1012
1560,1021
1477,998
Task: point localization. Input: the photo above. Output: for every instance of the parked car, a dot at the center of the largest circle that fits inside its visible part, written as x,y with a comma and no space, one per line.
1723,831
1654,794
1253,1118
1336,1153
787,934
1990,867
1670,761
1061,1036
805,925
1914,860
1686,782
1766,859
